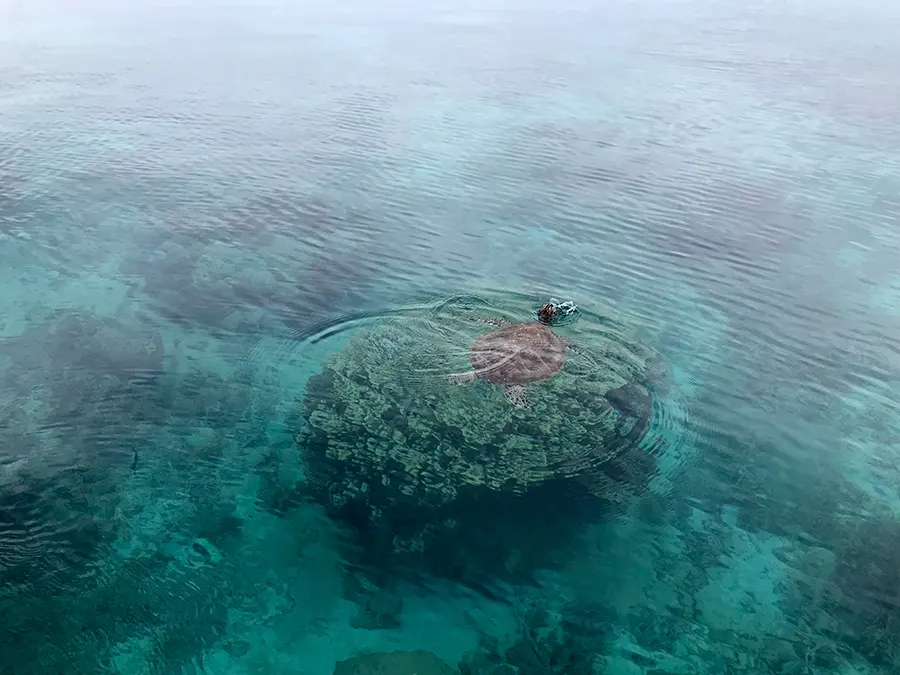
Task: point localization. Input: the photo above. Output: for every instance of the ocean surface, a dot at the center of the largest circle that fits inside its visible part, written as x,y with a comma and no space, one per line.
243,244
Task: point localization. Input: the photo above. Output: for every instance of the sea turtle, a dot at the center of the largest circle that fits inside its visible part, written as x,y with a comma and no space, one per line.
517,354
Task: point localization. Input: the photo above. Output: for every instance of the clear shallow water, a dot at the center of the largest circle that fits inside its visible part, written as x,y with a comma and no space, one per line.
200,204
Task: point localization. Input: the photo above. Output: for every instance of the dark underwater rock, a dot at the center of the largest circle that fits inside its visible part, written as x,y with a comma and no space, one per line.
378,610
858,585
635,405
570,644
237,647
655,631
92,377
418,662
72,529
117,347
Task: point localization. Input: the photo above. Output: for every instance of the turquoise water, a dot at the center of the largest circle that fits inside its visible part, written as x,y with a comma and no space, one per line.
240,247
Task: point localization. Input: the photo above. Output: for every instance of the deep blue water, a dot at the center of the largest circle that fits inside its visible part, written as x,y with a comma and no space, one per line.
242,243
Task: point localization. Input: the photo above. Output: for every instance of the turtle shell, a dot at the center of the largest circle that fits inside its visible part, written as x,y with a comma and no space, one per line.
518,354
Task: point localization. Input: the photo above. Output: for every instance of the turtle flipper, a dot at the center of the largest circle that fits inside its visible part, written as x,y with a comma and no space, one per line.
462,378
516,395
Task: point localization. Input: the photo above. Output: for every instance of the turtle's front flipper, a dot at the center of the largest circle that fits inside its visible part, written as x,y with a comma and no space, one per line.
462,378
516,394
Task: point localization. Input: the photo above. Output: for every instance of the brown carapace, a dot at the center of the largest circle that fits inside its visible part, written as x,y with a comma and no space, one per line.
516,354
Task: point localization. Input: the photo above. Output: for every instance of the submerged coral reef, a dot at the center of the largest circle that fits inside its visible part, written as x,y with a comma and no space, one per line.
420,467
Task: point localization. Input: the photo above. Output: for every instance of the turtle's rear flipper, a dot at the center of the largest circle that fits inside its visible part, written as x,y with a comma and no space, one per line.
516,394
462,378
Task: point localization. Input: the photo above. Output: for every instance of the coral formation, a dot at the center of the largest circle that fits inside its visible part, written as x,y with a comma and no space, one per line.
407,458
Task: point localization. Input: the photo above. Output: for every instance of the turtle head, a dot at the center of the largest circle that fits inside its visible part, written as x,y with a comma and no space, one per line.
547,313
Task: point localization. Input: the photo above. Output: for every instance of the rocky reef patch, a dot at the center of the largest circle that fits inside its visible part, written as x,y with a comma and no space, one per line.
425,471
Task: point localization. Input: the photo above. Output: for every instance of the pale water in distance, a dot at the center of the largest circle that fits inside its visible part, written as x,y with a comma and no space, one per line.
242,245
